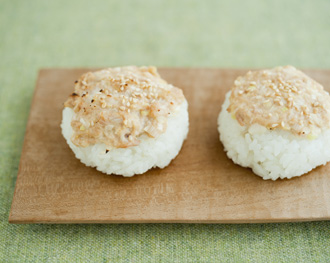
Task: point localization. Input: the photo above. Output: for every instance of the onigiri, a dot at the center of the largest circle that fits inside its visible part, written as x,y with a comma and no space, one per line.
125,120
276,122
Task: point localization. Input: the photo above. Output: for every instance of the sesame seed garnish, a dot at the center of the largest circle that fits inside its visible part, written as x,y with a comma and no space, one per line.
116,95
287,96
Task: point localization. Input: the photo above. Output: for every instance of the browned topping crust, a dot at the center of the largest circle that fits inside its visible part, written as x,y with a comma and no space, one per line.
116,105
281,98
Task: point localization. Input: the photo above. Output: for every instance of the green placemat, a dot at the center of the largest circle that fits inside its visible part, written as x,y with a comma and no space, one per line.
35,34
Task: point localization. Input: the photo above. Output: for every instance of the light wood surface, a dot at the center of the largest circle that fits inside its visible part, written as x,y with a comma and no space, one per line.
200,186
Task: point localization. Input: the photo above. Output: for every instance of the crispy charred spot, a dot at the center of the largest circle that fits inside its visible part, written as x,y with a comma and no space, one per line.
101,90
76,81
92,101
74,94
84,95
127,135
106,151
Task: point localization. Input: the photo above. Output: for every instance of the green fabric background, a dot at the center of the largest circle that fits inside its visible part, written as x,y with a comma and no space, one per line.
36,34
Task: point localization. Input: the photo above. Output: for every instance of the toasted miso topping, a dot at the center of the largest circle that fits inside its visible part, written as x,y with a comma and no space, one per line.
281,98
116,105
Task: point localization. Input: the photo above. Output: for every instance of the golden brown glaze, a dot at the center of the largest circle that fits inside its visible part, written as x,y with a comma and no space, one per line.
116,105
281,98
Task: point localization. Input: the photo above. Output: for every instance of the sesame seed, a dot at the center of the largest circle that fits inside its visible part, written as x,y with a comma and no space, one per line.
237,83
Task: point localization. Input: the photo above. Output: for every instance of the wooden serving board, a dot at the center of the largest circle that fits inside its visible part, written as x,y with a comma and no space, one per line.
200,186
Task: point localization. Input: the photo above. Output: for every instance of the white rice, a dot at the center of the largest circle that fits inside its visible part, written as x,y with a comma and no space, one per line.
271,154
151,152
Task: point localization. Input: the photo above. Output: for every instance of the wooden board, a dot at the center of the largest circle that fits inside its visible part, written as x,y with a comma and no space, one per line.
200,186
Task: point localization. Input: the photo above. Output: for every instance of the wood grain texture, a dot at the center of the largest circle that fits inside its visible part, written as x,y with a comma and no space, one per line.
200,186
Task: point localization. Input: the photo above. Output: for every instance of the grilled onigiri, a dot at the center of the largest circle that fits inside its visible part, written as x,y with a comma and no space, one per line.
125,120
276,122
